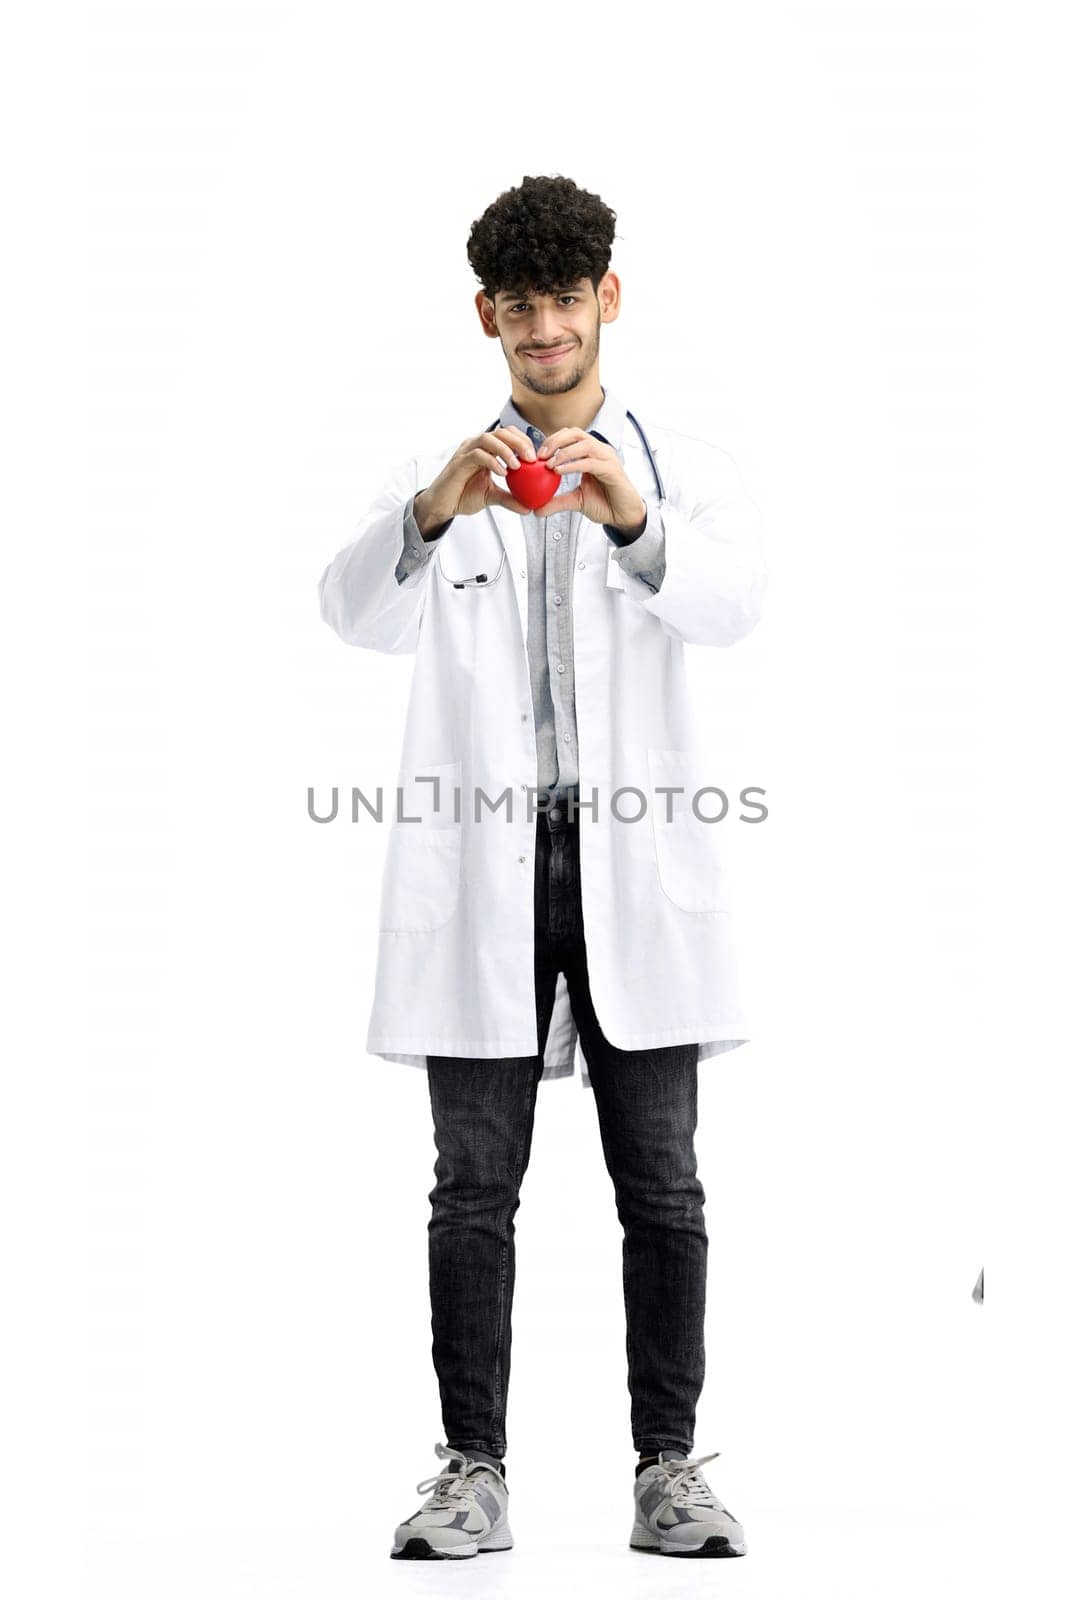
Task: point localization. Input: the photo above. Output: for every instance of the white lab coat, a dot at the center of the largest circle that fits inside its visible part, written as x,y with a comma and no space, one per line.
455,969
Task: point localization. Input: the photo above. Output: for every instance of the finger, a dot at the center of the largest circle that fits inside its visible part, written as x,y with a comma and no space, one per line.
508,449
595,466
525,444
564,458
487,458
499,447
561,436
519,441
498,461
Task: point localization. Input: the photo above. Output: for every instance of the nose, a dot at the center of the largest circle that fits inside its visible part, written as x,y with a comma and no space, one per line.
548,333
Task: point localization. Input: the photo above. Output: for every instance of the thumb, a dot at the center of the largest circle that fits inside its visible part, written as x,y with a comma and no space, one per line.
560,502
500,497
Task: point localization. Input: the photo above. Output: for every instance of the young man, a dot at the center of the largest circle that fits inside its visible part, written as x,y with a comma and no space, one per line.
548,643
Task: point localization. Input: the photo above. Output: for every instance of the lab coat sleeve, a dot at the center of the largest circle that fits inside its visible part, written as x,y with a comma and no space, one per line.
716,577
373,591
645,557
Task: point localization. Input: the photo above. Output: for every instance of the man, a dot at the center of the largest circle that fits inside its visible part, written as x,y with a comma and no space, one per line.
549,643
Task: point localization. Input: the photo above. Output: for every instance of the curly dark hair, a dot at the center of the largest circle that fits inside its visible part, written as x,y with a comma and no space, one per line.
545,233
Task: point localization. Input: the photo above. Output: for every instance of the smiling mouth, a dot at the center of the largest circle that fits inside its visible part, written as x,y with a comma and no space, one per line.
547,357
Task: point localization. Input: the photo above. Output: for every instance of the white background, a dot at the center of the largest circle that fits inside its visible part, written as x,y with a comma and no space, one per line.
837,253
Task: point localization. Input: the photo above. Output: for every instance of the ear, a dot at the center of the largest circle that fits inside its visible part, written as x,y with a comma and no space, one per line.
486,315
610,296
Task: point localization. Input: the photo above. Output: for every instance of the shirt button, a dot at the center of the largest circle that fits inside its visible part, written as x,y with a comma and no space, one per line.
581,563
522,574
526,716
557,599
522,858
557,534
555,813
560,667
566,740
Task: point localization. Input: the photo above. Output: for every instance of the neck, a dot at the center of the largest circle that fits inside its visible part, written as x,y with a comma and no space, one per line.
574,409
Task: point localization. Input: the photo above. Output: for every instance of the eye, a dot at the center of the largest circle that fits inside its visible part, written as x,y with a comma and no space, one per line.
521,305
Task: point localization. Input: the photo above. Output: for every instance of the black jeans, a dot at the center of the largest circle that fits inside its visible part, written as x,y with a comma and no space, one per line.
483,1113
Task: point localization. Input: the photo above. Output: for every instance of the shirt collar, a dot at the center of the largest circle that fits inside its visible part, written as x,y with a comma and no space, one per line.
608,421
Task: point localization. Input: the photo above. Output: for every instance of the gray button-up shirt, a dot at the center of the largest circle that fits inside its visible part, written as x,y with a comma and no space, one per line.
550,549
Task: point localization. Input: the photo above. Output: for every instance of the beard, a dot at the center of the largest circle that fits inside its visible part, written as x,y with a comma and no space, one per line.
563,380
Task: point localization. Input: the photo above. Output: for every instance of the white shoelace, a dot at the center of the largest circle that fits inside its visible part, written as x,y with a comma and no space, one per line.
686,1485
452,1487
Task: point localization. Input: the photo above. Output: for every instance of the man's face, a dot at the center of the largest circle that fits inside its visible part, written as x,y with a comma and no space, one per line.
563,326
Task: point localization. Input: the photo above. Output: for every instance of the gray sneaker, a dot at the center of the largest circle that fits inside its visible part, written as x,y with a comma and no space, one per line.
466,1513
676,1514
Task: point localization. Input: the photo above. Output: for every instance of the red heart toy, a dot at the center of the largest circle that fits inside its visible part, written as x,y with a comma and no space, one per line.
533,483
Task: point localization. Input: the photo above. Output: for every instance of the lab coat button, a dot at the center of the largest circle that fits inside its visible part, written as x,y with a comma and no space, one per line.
522,858
581,563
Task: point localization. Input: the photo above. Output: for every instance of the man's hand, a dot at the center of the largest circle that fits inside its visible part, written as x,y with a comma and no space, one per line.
464,484
605,494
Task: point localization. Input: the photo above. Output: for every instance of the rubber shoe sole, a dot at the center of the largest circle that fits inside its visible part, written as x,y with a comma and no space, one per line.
419,1549
714,1545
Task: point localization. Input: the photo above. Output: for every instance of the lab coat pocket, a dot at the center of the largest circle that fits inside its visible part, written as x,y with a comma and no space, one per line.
689,853
420,887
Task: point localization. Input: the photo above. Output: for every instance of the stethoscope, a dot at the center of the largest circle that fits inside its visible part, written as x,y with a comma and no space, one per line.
481,580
